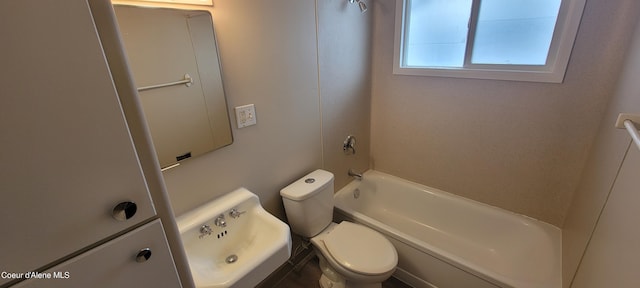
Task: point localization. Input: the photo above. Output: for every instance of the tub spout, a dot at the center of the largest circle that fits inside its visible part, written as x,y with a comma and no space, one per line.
358,176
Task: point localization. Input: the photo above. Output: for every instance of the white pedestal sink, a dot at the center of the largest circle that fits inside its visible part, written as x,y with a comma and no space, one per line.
233,242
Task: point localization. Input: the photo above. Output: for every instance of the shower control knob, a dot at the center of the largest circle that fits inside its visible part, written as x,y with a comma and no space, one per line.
349,144
124,211
143,255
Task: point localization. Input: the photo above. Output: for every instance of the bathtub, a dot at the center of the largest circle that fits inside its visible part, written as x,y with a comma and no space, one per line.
447,241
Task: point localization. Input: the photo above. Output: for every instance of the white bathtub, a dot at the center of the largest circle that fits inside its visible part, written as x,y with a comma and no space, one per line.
447,241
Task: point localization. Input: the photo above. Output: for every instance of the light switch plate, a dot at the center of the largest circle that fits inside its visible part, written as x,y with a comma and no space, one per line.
246,115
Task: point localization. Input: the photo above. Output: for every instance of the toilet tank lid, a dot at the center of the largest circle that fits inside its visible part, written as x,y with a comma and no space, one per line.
308,185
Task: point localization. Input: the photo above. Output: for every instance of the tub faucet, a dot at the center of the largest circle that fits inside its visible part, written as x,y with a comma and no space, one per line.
358,176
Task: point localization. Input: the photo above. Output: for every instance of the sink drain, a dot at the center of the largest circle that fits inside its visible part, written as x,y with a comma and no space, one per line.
231,259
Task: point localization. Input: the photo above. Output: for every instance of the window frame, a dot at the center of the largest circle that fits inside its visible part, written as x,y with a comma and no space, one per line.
566,29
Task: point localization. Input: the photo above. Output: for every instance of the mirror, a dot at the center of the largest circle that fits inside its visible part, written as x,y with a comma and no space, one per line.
174,61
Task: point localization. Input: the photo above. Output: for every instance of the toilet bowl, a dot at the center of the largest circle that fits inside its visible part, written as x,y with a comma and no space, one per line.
354,256
351,255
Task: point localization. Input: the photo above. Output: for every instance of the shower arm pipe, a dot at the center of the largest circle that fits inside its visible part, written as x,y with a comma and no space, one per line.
627,121
186,81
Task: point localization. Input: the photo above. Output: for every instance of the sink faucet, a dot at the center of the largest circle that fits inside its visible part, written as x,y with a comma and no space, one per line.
358,176
205,230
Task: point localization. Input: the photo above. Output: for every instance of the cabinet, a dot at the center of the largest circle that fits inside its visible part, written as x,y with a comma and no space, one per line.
66,155
119,268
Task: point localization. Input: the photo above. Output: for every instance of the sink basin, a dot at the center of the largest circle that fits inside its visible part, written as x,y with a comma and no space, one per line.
243,251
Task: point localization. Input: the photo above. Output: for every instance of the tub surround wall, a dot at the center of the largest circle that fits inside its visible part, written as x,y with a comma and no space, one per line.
269,58
602,166
519,146
344,60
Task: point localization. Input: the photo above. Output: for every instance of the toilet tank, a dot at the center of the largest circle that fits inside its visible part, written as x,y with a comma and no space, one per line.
308,203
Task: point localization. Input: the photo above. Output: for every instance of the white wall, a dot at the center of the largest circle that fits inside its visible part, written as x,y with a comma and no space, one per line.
269,58
601,169
311,89
519,146
611,259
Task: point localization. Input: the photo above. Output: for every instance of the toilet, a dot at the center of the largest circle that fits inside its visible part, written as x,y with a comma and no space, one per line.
351,255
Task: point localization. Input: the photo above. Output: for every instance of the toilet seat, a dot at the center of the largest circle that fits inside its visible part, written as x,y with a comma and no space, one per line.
360,249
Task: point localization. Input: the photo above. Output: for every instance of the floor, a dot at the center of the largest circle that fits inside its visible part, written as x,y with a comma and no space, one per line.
310,274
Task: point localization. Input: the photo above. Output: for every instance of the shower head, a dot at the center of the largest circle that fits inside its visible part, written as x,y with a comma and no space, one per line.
361,4
363,7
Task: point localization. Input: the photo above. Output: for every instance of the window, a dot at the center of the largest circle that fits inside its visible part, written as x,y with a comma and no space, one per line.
523,40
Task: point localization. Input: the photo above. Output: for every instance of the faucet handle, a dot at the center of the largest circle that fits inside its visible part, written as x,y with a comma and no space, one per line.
349,144
234,213
205,230
220,222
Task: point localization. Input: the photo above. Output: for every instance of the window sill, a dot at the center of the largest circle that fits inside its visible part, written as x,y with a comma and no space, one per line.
508,75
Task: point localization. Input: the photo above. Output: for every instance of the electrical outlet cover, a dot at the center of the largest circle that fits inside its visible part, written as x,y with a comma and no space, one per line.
246,115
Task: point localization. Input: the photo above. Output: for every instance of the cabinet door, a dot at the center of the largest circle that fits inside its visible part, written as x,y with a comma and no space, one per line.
115,264
66,156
